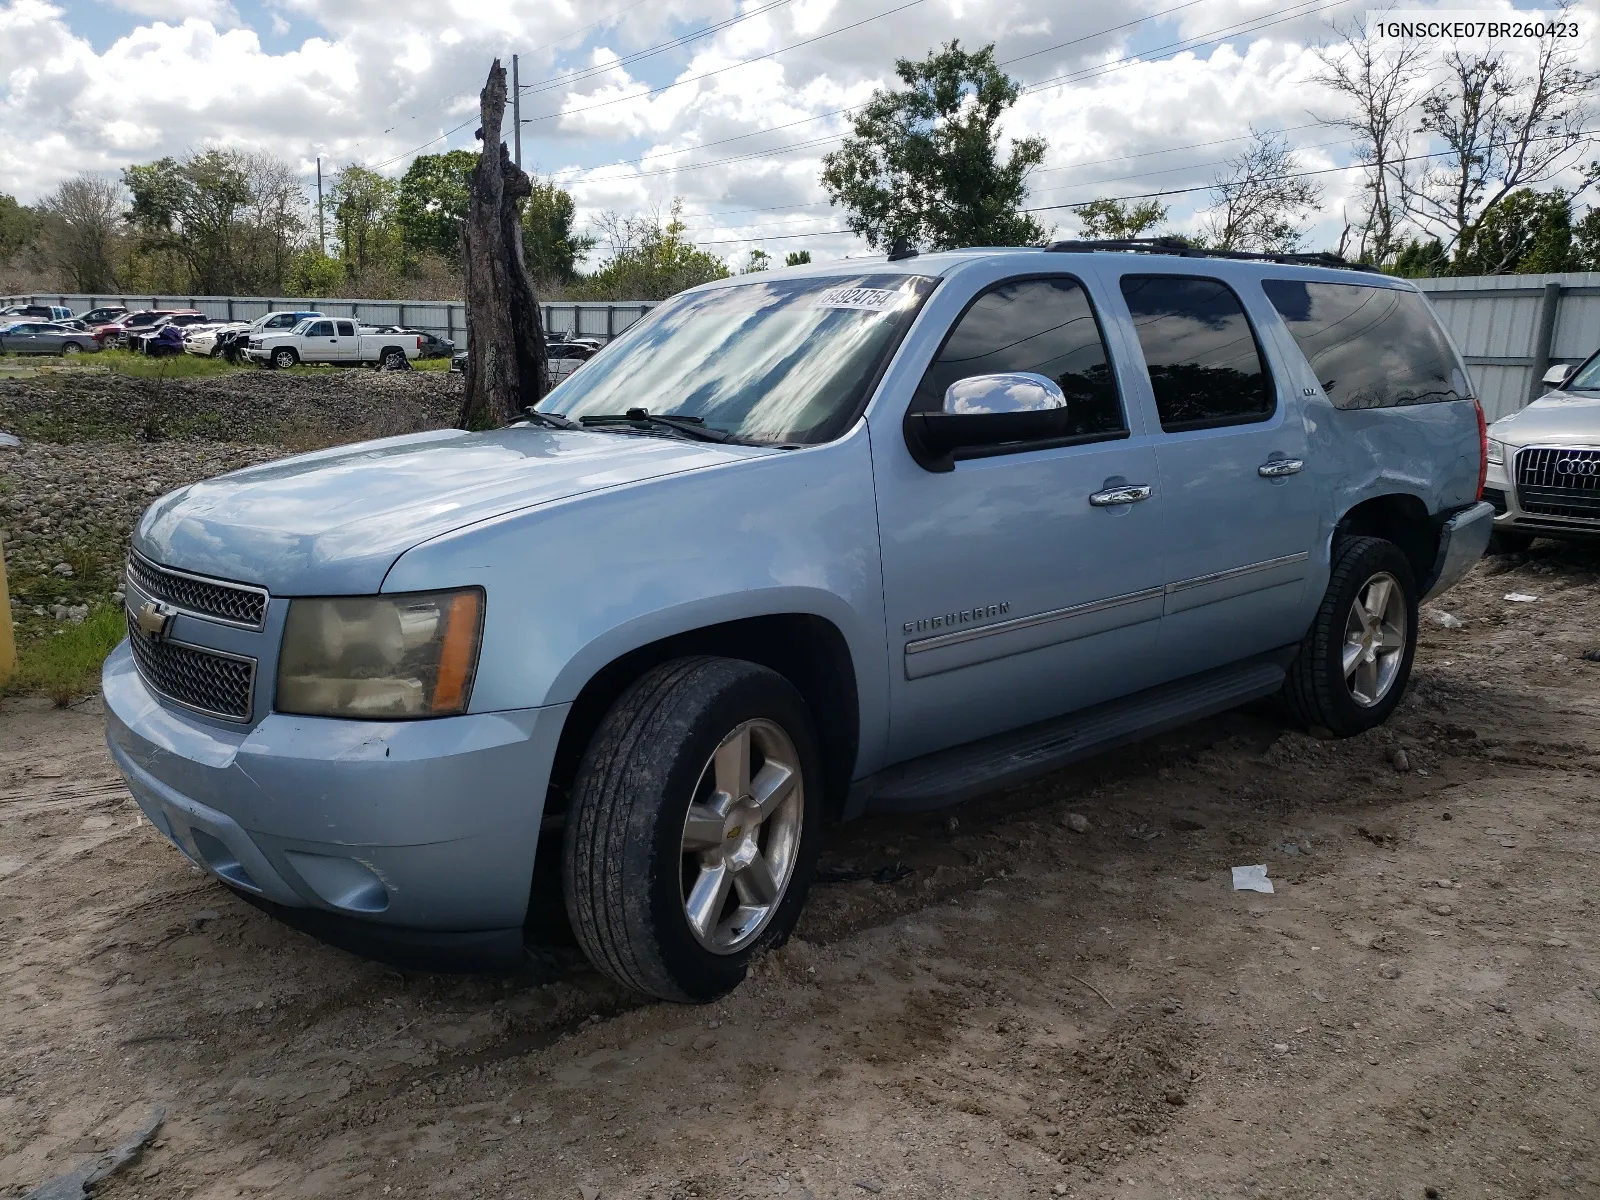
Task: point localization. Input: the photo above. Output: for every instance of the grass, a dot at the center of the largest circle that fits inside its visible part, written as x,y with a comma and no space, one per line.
174,366
66,665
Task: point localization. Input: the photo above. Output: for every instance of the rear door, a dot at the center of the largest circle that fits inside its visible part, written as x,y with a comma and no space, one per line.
1241,512
346,344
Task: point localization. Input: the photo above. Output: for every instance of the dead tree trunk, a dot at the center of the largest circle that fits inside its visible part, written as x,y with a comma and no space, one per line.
506,366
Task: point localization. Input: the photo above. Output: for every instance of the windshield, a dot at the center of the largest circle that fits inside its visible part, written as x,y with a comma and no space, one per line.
780,360
1587,377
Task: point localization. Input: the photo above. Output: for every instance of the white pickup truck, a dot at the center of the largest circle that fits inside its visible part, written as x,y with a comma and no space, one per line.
332,340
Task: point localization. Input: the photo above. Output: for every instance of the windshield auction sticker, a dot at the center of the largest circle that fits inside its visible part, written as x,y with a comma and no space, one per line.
1472,29
864,298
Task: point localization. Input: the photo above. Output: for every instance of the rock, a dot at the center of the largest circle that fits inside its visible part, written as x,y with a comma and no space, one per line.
1076,822
1388,970
118,597
63,569
1400,760
1592,655
1442,910
587,1192
1502,1006
1445,620
702,1042
1187,824
951,825
77,614
1169,1005
1281,1047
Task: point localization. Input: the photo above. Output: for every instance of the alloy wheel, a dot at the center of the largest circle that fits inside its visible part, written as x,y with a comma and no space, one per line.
741,836
1375,639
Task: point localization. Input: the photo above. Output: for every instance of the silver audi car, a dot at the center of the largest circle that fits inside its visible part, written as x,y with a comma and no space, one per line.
1544,463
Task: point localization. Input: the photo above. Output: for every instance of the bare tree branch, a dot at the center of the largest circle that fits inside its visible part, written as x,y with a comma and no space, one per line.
1258,205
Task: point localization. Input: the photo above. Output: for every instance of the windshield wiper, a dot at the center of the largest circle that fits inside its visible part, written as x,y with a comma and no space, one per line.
694,427
549,420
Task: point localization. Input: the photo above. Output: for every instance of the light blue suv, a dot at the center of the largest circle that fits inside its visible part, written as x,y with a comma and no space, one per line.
826,541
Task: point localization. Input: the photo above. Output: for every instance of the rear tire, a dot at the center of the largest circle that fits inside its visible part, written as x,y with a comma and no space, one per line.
1355,661
672,882
392,360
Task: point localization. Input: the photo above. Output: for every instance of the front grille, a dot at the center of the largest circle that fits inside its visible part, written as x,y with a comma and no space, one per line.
207,681
1559,482
232,603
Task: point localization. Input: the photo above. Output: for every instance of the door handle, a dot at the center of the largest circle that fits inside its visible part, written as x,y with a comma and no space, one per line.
1127,494
1280,467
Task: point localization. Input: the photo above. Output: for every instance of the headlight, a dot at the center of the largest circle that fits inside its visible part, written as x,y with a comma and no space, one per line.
1497,452
381,656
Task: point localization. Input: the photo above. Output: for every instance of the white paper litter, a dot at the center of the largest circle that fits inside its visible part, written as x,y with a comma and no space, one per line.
1252,879
1520,597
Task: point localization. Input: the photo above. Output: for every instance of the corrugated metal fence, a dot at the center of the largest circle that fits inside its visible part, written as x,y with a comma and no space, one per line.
445,318
1510,328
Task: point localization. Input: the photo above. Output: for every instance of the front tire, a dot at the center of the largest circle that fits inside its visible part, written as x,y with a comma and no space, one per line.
1355,661
71,348
693,829
284,358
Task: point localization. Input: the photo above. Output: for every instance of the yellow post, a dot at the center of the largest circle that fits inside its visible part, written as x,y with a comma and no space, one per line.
8,640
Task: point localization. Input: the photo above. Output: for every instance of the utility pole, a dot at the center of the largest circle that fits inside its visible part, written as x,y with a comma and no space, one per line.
516,113
322,233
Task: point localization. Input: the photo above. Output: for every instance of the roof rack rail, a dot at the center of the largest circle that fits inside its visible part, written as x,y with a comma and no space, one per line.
1184,249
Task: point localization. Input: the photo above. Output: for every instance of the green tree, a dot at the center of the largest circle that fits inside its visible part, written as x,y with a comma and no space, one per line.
1524,233
193,209
19,226
649,260
432,203
1420,259
1586,242
797,258
924,163
364,216
314,274
759,260
1116,220
549,245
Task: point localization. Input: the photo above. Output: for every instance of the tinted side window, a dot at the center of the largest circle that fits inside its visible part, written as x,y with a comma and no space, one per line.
1045,326
1205,366
1370,347
347,329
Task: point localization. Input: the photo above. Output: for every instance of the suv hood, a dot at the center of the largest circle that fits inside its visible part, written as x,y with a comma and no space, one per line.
333,523
1560,418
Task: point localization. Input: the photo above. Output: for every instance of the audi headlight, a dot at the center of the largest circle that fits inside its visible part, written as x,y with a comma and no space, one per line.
1497,452
381,656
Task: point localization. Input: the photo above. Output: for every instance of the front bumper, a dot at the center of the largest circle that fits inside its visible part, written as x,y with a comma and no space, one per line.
1463,537
424,828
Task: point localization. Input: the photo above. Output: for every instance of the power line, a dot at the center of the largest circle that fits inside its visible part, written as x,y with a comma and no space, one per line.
557,81
1306,174
730,67
1092,72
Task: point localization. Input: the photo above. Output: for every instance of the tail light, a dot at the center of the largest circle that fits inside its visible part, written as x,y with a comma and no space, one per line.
1483,447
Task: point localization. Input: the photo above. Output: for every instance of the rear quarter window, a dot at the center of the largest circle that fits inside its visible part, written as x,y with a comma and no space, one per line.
1370,347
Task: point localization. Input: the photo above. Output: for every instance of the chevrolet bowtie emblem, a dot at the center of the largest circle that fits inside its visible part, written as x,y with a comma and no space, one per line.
153,619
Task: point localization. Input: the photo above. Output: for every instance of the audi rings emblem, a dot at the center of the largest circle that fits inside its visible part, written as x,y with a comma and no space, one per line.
1577,466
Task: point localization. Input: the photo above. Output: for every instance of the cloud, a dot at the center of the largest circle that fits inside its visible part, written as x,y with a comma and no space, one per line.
1125,107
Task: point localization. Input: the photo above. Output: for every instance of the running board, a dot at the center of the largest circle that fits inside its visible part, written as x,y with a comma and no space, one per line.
1007,759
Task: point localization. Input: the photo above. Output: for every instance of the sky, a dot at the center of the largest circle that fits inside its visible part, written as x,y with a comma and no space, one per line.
728,105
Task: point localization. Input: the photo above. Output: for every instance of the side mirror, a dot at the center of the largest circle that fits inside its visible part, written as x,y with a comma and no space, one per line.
1557,375
987,410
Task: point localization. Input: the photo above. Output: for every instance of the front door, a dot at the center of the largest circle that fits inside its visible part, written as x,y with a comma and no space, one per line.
1241,512
1014,592
318,343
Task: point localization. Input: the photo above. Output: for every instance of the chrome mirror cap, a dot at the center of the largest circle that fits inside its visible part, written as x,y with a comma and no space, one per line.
1554,377
1006,392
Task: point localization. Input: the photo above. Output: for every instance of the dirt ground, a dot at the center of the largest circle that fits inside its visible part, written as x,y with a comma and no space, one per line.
983,1004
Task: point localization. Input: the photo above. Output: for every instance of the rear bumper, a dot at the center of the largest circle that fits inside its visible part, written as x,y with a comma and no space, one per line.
399,832
1463,538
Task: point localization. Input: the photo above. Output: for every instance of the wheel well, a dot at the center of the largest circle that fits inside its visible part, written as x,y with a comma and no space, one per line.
1403,520
808,651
